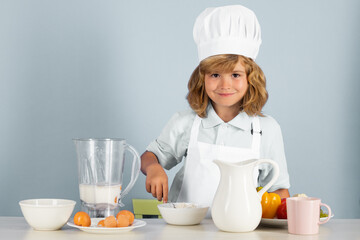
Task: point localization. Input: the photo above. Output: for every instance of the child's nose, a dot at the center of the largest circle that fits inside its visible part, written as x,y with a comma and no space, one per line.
226,82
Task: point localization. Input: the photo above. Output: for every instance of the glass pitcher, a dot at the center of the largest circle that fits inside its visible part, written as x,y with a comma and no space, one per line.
101,168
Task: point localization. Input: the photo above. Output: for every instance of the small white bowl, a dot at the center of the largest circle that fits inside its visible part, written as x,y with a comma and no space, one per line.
183,213
47,214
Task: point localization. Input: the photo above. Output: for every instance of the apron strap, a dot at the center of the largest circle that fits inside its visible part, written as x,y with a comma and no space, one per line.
195,131
256,132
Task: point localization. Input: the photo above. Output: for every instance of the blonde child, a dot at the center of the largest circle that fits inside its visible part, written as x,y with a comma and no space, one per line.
227,92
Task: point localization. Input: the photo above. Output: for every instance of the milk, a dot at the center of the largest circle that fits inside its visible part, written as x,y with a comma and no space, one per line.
100,194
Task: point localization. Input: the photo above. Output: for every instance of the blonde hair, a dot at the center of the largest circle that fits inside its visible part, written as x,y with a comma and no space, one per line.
255,96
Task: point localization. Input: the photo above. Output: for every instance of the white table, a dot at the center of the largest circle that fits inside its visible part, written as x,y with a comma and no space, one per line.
339,229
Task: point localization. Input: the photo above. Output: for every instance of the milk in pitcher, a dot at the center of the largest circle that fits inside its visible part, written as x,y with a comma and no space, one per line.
99,194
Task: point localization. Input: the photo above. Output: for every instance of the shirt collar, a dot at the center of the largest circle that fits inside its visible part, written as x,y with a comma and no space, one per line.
242,120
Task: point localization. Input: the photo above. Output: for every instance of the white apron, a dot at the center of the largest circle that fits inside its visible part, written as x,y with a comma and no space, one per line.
201,175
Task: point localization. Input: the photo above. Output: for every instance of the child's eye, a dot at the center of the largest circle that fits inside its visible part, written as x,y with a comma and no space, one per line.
215,75
235,75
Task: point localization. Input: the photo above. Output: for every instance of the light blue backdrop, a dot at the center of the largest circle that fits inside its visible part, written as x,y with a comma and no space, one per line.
112,68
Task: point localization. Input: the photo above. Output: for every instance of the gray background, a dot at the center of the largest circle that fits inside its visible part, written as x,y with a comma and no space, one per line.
112,68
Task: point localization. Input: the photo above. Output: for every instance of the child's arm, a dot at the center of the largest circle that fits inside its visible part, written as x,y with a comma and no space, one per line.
156,178
283,193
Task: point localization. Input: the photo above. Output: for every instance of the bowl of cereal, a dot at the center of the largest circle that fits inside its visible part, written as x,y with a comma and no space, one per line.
183,213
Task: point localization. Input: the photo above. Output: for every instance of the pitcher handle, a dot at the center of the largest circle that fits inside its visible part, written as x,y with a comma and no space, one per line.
134,170
275,175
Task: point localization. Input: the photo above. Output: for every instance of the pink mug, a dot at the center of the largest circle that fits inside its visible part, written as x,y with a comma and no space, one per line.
303,215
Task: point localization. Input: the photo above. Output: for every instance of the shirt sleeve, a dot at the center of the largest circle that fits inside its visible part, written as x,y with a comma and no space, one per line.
275,151
171,145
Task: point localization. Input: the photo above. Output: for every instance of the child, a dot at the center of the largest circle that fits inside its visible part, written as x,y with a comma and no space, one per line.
226,93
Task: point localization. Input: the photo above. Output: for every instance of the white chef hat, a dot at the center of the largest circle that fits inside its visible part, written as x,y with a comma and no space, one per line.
227,30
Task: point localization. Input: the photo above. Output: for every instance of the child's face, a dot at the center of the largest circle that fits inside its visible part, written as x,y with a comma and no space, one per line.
226,89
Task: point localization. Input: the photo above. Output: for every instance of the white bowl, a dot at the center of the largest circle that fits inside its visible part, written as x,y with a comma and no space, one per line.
47,214
183,213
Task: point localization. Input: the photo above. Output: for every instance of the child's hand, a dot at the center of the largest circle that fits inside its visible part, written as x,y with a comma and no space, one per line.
157,182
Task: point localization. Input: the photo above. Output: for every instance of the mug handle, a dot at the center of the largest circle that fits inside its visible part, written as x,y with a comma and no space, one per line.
275,176
134,170
328,217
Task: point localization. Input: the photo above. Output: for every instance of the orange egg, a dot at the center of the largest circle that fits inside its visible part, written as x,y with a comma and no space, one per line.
127,213
110,221
82,219
123,221
101,223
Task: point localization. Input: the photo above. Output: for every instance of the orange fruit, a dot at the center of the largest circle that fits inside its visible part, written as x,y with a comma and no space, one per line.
82,219
123,221
110,221
101,223
127,213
